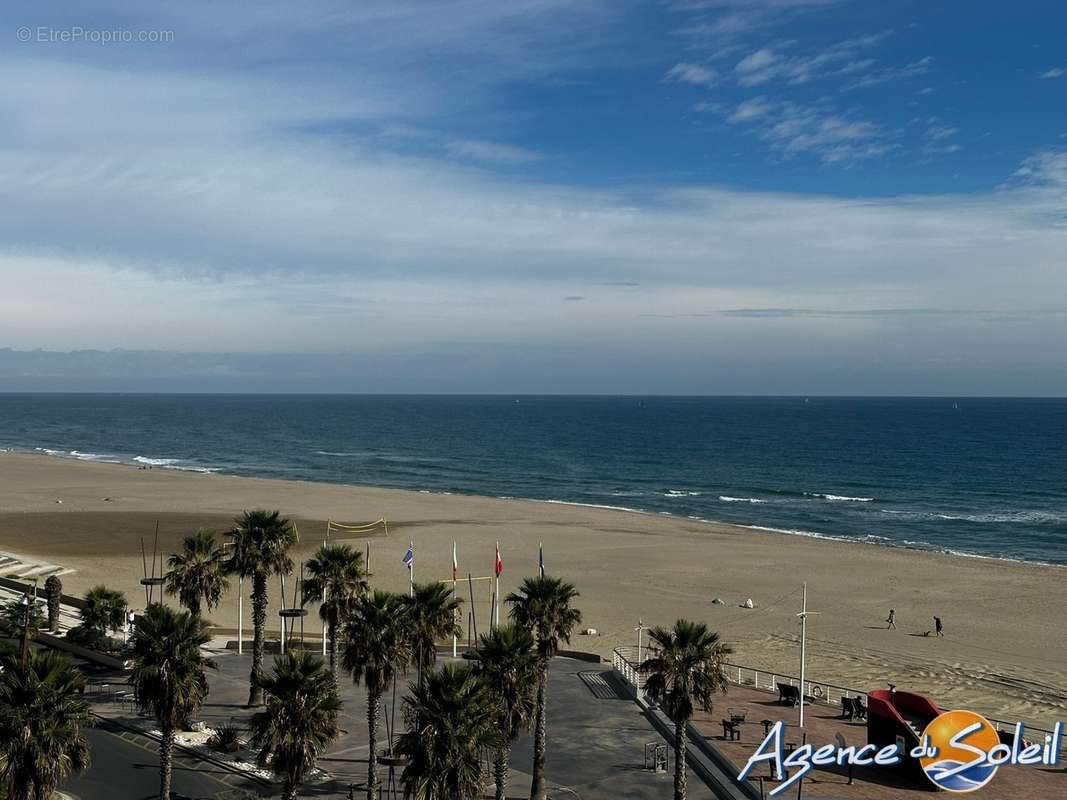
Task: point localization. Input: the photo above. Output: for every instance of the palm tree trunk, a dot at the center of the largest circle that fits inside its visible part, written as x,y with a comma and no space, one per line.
538,789
259,622
500,769
17,789
332,633
166,757
374,713
680,748
289,789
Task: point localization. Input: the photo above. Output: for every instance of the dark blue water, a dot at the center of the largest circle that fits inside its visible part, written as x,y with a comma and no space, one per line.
987,478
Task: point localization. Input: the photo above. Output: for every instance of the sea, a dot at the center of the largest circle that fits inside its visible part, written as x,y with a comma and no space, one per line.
974,476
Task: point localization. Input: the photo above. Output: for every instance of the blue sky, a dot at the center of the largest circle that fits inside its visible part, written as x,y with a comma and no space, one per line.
708,196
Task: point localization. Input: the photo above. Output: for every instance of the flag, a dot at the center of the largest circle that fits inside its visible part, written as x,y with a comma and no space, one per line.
455,563
366,561
498,567
540,560
409,556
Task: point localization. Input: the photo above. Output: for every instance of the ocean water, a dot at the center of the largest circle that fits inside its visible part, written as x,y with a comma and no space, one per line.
982,477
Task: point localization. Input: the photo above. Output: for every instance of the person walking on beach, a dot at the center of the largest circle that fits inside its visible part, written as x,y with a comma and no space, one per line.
938,629
892,619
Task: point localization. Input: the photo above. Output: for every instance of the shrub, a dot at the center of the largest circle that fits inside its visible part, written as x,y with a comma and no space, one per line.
227,739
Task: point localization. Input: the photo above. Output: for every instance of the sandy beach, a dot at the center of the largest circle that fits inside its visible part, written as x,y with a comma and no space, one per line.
1005,650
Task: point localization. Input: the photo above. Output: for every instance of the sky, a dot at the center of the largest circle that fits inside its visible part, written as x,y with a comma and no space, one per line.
559,196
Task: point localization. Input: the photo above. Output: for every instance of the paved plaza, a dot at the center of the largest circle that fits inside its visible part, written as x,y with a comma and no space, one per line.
596,742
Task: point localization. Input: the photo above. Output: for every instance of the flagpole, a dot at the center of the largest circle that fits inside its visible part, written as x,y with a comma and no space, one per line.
411,571
496,587
240,614
455,640
803,647
324,593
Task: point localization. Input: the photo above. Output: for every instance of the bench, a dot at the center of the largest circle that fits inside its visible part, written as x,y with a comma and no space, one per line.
788,694
731,730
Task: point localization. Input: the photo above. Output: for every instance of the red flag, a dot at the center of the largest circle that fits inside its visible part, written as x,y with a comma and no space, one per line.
499,565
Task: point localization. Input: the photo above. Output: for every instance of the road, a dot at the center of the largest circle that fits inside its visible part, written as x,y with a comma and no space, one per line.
125,766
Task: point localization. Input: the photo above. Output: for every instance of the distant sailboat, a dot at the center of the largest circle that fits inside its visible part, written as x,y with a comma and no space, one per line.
955,405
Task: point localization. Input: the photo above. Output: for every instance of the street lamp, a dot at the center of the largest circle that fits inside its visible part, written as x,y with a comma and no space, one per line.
25,603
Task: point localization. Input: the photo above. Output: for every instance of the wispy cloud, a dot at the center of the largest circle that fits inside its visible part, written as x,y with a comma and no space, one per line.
887,74
755,108
791,128
481,150
938,138
986,314
1055,72
766,64
694,74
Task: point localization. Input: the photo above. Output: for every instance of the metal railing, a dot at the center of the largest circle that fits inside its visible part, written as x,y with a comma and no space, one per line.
625,661
814,691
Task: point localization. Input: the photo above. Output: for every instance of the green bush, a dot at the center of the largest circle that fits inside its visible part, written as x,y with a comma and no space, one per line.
227,739
94,640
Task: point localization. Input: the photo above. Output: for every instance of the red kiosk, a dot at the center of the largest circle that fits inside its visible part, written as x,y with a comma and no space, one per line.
896,717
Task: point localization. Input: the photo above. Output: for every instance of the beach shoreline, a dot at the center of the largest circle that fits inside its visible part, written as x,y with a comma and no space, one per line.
1005,651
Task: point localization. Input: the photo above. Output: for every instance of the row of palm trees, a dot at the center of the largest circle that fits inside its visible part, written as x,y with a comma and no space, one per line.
455,715
376,635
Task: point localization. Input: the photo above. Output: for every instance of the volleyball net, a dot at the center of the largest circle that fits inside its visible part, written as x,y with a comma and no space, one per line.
338,530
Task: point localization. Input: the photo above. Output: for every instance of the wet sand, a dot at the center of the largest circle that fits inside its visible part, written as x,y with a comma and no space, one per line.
1005,651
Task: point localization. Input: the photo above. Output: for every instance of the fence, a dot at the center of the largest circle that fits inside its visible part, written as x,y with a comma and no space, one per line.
814,691
625,660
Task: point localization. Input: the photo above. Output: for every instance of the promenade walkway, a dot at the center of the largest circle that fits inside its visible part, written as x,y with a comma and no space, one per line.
596,734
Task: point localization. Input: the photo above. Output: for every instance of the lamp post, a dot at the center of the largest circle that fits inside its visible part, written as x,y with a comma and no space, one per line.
25,603
803,647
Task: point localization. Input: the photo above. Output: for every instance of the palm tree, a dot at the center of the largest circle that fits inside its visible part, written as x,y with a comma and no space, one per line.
197,574
104,610
451,716
300,720
168,675
543,607
42,716
432,610
377,648
23,617
507,666
336,578
686,664
261,542
53,590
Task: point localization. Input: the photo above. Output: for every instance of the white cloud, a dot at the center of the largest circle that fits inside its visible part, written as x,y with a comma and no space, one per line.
752,109
938,138
1056,72
481,150
695,74
878,77
790,129
758,67
841,58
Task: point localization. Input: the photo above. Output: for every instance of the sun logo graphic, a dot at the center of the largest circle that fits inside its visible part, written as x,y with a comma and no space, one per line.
958,751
